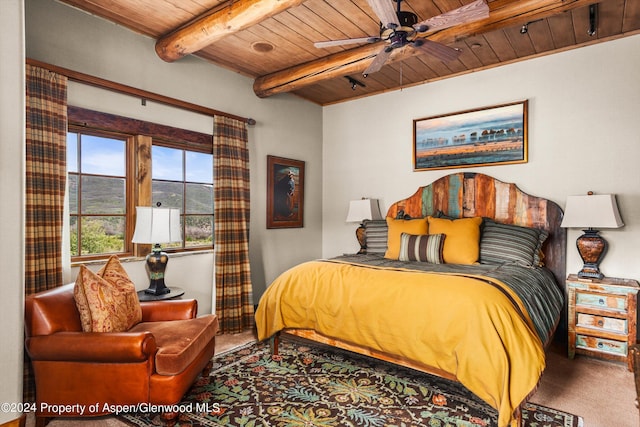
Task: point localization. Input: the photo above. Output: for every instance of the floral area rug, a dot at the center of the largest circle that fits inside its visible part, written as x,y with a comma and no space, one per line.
310,384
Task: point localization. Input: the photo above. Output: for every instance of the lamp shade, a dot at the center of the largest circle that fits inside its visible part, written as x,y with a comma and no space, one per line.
157,225
360,210
592,211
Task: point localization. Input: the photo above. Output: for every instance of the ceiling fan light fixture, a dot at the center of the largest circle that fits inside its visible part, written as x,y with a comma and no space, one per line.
397,39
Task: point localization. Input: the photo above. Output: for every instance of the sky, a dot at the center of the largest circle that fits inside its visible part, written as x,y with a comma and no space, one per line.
105,156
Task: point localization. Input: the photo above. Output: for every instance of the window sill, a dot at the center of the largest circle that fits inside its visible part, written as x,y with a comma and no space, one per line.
138,259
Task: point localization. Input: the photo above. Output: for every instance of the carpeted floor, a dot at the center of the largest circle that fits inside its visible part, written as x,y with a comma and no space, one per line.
601,392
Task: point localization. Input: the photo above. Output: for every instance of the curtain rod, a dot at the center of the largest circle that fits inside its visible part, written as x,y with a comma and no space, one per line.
139,93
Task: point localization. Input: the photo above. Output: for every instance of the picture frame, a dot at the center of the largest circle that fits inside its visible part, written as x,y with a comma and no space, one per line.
285,192
495,135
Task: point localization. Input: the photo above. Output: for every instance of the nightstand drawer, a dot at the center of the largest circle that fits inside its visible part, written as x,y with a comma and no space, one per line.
587,299
601,345
601,322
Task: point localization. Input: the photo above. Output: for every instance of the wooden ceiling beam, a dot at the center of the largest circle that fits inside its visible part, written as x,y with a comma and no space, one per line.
502,14
232,17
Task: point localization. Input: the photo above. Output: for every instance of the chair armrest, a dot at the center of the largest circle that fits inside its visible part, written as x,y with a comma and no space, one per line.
160,311
112,347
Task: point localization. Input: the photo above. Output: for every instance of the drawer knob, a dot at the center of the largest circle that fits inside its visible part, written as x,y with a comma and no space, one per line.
600,322
599,345
601,301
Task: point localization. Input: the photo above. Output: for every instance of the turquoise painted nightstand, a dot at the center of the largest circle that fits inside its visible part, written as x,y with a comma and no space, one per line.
602,317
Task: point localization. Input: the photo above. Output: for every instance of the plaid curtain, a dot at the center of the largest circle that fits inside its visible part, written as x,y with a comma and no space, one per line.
234,297
46,172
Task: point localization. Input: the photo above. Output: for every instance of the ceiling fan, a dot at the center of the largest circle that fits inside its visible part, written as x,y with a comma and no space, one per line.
400,28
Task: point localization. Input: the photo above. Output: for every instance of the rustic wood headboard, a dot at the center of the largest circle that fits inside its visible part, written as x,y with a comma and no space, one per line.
469,194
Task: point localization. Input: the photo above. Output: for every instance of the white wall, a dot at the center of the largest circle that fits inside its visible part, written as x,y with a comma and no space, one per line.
584,134
286,126
12,125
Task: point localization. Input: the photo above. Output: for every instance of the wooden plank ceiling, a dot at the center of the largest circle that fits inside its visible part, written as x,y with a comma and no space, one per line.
272,41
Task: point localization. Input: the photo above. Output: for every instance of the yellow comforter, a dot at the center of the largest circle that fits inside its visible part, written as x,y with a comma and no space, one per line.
458,324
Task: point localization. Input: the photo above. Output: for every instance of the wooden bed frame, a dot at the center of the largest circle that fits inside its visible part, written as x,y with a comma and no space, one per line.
463,195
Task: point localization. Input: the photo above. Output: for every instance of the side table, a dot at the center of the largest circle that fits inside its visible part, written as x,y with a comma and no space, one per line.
174,293
602,317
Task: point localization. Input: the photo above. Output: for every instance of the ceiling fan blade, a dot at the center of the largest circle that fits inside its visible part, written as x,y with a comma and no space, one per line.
332,43
468,13
437,50
378,61
385,12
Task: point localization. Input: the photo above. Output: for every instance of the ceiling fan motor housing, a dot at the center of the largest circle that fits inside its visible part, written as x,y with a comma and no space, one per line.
407,19
401,35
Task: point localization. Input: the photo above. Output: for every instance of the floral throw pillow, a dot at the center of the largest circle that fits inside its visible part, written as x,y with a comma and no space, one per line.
107,300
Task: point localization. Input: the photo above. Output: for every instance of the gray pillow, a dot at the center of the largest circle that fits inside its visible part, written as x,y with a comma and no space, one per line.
376,236
507,243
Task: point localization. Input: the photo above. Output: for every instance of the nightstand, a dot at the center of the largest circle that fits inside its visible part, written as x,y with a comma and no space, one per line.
602,317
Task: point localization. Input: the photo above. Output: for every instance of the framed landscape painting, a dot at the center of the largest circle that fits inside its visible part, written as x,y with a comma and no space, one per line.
285,192
485,136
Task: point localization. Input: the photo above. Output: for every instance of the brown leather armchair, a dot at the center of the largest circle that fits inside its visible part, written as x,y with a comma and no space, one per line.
155,362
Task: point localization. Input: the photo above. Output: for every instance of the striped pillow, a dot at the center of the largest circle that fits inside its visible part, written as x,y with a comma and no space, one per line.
376,236
507,243
423,248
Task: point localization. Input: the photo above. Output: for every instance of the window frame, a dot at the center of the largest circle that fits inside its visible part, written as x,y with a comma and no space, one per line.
140,137
129,153
184,183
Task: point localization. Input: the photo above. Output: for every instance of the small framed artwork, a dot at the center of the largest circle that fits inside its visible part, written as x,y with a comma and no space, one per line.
481,137
285,192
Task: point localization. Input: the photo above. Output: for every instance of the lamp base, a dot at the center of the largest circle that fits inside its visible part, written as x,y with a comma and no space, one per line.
157,290
156,265
590,272
157,287
361,236
592,248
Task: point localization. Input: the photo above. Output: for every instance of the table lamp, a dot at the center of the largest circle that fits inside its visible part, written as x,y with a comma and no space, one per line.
359,211
591,212
155,226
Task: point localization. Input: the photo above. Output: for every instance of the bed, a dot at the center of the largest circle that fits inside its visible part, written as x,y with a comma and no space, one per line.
465,285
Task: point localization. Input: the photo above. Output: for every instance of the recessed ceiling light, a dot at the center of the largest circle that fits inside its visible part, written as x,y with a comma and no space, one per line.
262,47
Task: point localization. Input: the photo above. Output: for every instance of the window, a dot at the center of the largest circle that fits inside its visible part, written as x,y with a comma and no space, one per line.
98,198
184,179
103,155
